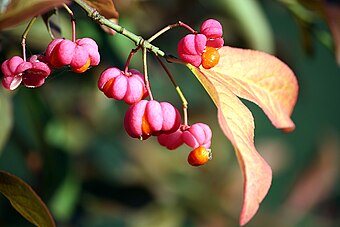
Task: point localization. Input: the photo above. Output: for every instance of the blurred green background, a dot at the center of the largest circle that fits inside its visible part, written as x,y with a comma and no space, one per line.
67,140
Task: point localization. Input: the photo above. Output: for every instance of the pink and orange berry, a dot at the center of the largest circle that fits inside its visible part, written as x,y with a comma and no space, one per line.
202,48
197,136
144,118
118,85
191,48
199,156
31,73
79,55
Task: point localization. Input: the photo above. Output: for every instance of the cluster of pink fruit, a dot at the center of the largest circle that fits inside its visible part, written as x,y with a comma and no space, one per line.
146,118
79,55
202,48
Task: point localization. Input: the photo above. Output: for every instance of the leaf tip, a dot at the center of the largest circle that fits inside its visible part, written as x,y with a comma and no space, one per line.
288,129
255,188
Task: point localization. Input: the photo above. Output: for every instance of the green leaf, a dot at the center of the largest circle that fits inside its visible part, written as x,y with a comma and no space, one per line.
25,200
17,11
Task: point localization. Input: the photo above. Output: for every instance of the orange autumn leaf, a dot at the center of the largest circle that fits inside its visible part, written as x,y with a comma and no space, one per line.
264,80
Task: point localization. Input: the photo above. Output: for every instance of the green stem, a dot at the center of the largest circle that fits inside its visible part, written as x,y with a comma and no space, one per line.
138,40
24,36
167,28
171,26
145,71
178,90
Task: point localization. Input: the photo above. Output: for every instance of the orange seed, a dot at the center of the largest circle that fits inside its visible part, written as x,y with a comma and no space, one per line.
210,57
199,156
83,68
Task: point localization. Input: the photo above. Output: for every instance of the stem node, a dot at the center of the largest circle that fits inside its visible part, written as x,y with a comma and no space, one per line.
138,40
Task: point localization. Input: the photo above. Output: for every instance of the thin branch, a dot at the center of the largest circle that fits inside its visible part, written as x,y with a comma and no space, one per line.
24,36
173,59
73,22
167,28
178,90
171,26
145,71
132,52
138,40
187,27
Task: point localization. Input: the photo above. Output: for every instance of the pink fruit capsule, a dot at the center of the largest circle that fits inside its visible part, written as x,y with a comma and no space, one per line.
171,141
92,49
146,118
136,89
36,71
80,55
118,85
215,43
191,47
12,77
52,52
31,73
212,29
106,83
86,54
198,134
